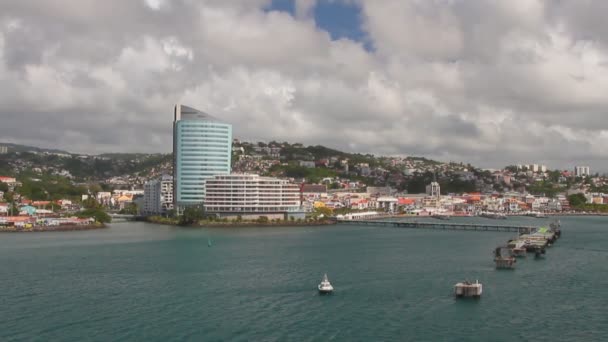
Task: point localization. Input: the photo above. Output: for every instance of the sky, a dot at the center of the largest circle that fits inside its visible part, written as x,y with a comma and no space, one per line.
491,83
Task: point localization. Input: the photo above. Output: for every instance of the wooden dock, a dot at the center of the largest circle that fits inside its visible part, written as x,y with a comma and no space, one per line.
445,226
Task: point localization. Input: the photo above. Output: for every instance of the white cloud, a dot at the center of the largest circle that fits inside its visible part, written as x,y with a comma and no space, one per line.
491,82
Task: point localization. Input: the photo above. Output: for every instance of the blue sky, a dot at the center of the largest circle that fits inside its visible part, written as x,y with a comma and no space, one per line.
340,19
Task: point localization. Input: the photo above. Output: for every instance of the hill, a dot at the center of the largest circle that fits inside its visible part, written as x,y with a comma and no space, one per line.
25,148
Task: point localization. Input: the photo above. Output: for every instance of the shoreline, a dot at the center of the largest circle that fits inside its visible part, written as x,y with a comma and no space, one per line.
60,228
246,224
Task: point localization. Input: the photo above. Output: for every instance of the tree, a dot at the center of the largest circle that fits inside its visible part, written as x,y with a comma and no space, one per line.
130,209
325,211
95,188
97,213
263,219
191,215
3,187
91,203
577,199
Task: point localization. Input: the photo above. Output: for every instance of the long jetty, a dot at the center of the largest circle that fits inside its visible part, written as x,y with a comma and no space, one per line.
445,226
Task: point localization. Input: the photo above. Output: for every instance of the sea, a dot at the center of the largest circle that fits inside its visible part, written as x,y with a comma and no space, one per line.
137,281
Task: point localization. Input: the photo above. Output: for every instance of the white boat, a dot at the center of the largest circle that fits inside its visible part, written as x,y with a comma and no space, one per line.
325,286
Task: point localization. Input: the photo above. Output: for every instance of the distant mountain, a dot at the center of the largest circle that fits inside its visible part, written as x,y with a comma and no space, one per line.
25,148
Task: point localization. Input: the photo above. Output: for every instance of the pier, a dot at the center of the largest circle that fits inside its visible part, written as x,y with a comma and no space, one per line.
439,225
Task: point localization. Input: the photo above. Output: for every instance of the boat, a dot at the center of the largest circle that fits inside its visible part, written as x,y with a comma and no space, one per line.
468,289
494,215
325,285
441,216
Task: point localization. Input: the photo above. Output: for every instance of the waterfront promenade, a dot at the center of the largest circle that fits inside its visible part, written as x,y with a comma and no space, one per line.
57,228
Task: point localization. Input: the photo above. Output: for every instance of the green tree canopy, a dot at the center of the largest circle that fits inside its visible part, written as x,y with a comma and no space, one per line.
577,199
97,213
191,215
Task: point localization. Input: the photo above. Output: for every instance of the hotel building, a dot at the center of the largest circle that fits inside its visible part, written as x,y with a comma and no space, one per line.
252,196
202,148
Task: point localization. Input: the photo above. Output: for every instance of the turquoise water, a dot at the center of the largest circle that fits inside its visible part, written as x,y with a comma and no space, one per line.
137,281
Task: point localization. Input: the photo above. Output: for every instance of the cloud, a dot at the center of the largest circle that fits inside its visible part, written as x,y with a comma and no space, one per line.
490,82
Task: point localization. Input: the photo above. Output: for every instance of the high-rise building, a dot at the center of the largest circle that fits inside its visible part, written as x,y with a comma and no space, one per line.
581,171
202,148
158,196
3,149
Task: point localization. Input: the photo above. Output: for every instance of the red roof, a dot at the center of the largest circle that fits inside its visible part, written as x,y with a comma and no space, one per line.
405,201
41,202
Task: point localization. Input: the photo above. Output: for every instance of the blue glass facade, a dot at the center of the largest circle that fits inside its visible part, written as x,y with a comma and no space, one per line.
202,148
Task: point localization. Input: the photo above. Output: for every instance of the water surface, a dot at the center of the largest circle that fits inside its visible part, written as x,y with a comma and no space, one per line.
137,281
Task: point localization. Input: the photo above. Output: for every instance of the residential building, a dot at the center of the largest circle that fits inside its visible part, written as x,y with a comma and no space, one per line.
202,148
158,196
10,181
379,190
581,171
3,149
252,195
307,163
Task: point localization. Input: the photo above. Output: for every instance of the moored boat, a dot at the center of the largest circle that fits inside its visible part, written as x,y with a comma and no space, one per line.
325,285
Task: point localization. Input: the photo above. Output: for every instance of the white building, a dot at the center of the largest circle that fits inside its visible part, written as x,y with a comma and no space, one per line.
3,149
158,196
251,194
581,171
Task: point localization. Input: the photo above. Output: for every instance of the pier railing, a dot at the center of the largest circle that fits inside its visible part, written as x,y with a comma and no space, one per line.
445,226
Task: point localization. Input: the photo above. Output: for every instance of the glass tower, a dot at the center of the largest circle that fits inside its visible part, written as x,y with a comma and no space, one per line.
202,148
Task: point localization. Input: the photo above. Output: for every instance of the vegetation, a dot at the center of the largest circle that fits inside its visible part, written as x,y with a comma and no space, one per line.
544,188
97,213
577,200
162,220
191,215
130,209
312,175
592,207
325,211
44,187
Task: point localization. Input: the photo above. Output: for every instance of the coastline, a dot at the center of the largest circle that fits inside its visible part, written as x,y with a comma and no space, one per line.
245,224
60,228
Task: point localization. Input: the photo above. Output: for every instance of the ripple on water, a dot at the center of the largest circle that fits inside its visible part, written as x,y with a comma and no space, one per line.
391,284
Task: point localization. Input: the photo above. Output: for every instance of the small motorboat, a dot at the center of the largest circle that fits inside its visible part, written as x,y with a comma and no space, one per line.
325,285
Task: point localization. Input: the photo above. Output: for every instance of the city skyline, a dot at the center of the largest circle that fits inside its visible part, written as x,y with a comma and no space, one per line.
490,83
